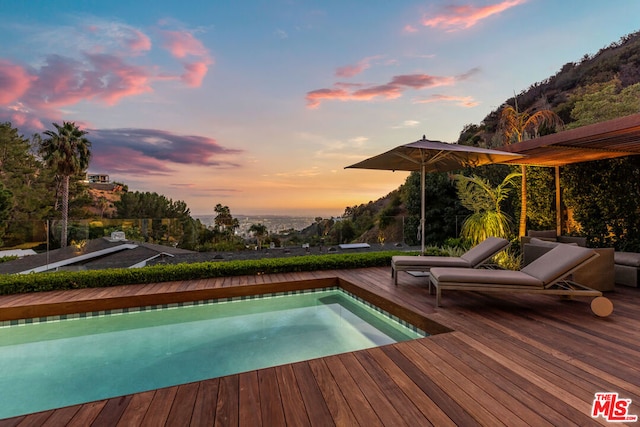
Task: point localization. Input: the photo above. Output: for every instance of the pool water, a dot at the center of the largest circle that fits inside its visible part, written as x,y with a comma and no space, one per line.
51,364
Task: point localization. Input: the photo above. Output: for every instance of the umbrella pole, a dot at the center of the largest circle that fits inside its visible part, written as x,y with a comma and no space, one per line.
423,173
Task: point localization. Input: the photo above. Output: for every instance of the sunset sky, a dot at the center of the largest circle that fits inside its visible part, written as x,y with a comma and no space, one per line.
259,105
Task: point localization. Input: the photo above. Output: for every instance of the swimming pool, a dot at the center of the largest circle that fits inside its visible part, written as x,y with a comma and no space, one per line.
65,360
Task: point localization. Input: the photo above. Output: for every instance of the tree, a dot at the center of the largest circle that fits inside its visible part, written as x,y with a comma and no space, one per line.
6,201
224,221
67,152
22,173
259,231
606,204
487,219
441,213
170,221
518,126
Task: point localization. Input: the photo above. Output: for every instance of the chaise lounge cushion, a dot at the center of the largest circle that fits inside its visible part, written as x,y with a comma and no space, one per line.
429,261
543,234
555,263
489,277
479,253
631,259
547,243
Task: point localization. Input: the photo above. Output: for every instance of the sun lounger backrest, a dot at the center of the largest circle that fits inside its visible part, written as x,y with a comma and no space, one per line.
558,263
484,250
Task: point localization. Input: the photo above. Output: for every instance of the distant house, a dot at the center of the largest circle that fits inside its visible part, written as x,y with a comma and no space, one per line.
96,178
97,254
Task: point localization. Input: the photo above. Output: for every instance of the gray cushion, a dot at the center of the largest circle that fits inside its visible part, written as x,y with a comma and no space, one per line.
556,263
547,243
543,234
627,258
429,261
485,249
483,277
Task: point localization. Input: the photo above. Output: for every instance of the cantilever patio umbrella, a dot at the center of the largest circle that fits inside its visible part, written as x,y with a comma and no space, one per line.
433,156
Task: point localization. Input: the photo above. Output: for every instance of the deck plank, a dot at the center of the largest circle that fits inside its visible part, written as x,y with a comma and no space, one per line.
249,400
292,403
112,411
204,411
314,402
137,409
336,402
390,390
502,359
182,406
227,406
271,408
159,407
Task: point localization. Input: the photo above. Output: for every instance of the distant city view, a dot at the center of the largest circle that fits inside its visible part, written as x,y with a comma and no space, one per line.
274,223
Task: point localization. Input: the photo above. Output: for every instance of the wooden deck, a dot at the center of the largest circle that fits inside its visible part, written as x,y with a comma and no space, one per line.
512,360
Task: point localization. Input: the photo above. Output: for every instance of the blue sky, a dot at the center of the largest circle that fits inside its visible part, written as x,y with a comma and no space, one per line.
259,105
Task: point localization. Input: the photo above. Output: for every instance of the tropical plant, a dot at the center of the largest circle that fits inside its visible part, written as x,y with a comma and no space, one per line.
516,126
487,219
67,152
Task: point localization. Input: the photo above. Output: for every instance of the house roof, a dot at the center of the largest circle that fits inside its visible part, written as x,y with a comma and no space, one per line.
606,140
97,254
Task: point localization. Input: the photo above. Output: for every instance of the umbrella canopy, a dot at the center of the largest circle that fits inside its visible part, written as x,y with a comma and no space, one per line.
433,156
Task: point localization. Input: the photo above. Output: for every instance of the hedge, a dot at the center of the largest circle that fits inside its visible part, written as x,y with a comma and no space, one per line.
39,282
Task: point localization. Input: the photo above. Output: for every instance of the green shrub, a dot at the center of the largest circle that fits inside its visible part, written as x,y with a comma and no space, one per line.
20,283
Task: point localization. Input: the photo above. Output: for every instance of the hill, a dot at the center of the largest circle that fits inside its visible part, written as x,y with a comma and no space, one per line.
103,197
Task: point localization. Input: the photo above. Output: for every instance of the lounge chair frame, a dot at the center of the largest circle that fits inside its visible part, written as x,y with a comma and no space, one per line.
405,263
560,285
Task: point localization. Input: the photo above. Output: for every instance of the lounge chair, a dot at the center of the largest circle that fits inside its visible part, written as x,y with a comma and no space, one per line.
473,258
546,275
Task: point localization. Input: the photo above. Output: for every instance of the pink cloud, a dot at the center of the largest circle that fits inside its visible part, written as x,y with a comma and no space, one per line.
316,96
466,16
410,29
104,71
194,73
420,81
14,81
138,41
112,79
391,90
182,44
64,81
23,120
388,91
463,101
353,70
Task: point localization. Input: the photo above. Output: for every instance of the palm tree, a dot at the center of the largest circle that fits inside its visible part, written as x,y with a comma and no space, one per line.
518,126
66,151
487,219
259,231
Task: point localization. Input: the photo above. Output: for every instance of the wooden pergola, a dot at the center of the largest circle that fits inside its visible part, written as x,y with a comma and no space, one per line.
606,140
